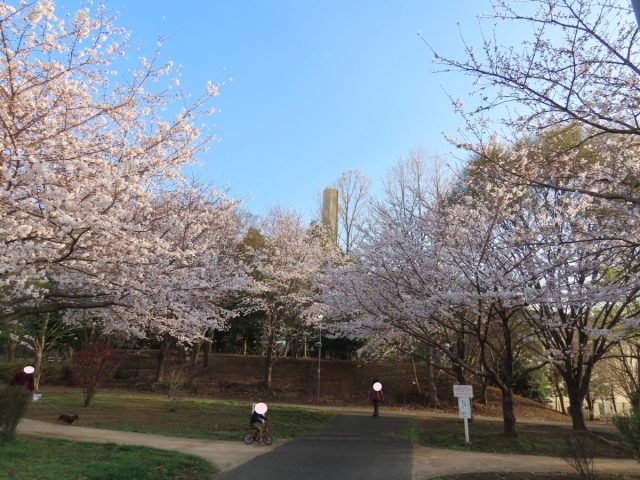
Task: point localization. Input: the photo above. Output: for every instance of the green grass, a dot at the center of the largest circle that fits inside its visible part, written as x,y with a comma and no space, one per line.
487,436
195,418
27,458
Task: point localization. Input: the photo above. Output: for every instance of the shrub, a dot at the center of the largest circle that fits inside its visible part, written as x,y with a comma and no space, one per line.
581,454
534,385
93,367
14,401
629,427
179,378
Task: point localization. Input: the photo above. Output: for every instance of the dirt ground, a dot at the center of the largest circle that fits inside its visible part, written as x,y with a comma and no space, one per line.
343,383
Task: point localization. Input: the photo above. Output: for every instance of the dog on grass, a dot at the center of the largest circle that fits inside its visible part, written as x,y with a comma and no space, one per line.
68,419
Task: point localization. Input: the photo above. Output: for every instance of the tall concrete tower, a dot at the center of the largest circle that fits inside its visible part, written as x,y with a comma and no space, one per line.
330,211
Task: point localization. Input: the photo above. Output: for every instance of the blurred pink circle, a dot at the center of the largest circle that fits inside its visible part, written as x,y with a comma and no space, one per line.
261,408
29,370
377,386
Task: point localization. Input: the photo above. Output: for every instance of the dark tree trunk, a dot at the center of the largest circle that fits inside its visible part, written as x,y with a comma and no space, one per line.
180,355
613,401
432,389
556,384
415,377
163,354
508,414
206,352
268,360
575,407
11,351
268,368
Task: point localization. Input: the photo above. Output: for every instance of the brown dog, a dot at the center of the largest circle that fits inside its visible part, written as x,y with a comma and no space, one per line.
68,419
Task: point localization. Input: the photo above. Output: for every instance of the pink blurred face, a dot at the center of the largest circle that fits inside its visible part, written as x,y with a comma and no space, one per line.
377,386
29,370
261,408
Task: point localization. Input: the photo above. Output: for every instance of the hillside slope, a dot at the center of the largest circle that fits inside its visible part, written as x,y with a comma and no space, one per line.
343,383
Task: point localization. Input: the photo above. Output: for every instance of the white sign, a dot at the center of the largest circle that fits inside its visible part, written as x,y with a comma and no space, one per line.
465,391
464,407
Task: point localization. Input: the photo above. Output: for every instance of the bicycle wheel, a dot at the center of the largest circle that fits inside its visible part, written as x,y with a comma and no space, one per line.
248,438
268,440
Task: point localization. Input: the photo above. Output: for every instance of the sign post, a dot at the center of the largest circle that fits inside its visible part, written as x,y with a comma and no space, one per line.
464,394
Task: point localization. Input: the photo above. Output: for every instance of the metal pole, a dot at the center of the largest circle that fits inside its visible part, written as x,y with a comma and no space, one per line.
466,429
319,358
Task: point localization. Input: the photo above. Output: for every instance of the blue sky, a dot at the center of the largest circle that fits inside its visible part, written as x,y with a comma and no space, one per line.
318,87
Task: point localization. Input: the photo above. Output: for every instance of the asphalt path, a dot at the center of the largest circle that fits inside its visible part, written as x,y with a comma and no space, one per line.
352,447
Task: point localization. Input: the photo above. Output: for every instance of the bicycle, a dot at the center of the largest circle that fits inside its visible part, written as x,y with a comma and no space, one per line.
254,435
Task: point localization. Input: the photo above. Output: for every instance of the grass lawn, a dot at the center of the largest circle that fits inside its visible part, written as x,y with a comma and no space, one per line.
195,418
27,458
485,436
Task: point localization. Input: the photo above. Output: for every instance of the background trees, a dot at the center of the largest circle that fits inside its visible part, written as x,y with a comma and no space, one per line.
283,265
353,204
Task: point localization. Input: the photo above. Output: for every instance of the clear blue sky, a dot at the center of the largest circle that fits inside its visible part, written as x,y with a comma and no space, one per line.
319,87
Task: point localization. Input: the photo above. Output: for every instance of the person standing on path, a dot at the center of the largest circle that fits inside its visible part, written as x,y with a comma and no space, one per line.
24,378
375,395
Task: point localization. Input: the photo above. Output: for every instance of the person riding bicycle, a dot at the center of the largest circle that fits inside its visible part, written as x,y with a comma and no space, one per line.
257,422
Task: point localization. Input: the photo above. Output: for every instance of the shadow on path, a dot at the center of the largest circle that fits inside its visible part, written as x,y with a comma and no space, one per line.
352,447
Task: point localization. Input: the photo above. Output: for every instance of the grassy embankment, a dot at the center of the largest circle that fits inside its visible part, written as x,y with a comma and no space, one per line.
194,418
26,458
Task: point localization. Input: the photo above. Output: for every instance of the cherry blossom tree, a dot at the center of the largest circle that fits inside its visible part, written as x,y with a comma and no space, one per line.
578,65
94,213
283,268
573,156
443,269
585,297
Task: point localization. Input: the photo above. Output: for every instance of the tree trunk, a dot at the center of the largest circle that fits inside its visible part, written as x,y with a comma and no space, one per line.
556,384
11,350
575,407
69,354
590,406
38,367
180,355
508,414
432,390
415,376
613,401
484,387
206,352
244,345
268,367
193,354
163,354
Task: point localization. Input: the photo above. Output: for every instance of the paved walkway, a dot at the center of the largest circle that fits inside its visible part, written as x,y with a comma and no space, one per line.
353,447
354,444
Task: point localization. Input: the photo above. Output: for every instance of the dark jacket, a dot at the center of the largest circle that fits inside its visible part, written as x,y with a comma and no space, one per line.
23,379
257,418
374,394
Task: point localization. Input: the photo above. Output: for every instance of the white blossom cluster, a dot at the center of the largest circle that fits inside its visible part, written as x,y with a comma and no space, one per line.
94,212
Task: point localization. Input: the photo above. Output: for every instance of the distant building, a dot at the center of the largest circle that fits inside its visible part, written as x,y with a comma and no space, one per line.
330,212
